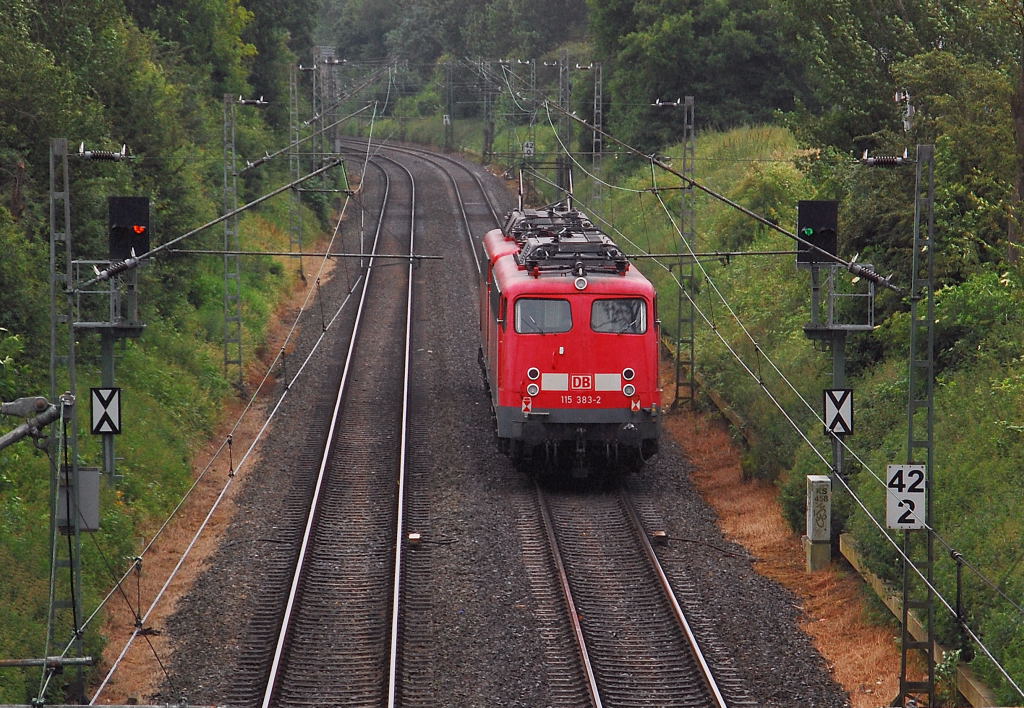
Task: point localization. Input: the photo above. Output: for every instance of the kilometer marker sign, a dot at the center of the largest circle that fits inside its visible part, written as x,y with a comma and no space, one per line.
906,497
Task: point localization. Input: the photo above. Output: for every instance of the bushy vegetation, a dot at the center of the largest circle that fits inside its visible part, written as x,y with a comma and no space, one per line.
979,392
958,86
152,77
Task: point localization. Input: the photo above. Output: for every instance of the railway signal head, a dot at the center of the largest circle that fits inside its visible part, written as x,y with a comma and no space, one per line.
128,222
816,227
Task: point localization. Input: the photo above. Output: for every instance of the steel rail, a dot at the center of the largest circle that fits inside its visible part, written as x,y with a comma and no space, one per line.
307,533
427,154
400,514
670,595
574,618
399,544
663,581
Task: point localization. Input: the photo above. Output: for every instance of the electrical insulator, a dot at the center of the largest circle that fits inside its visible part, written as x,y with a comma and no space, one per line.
102,154
885,160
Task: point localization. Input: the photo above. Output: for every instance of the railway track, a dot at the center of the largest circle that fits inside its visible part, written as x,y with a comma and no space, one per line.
480,210
358,623
616,635
634,645
334,641
351,632
342,610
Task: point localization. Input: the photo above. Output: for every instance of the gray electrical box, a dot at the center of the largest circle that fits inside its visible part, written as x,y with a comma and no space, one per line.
88,501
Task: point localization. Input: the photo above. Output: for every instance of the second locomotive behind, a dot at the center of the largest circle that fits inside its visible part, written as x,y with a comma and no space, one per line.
569,341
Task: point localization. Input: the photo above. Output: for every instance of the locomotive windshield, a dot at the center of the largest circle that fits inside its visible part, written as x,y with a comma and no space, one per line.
619,316
542,316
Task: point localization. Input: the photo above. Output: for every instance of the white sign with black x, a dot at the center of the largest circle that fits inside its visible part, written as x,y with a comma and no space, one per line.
106,411
838,411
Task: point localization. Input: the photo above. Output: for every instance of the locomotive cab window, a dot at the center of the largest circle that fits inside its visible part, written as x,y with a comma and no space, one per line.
542,316
623,315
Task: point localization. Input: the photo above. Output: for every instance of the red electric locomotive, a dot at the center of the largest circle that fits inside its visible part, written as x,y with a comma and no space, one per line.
570,341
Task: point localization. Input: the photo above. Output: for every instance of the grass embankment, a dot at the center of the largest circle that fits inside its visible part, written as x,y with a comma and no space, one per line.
174,394
978,485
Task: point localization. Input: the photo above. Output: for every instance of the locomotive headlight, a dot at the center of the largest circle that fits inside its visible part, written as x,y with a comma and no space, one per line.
533,389
628,390
628,374
533,373
580,283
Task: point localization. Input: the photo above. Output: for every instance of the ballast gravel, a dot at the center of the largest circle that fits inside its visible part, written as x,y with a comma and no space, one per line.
486,648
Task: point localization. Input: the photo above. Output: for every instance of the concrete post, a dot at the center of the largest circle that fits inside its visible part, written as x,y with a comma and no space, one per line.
818,541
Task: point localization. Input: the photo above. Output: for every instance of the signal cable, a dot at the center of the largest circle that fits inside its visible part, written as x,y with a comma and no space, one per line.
935,591
72,522
938,536
757,349
55,459
569,154
224,444
247,454
865,465
849,265
137,565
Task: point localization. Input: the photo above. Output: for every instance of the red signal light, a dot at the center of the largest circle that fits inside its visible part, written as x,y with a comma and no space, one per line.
128,224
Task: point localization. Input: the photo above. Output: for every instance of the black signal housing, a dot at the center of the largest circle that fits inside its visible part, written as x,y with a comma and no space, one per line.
128,223
816,223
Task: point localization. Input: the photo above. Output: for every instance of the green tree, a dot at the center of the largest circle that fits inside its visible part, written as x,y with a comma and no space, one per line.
280,33
852,48
358,27
731,56
424,30
208,33
523,29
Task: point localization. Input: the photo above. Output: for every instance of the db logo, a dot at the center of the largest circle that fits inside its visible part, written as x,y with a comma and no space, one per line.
581,382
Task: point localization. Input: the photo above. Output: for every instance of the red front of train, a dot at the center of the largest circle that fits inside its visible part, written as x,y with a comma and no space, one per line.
570,341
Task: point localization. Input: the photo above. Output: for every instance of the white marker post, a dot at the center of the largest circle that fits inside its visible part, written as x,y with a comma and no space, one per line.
818,541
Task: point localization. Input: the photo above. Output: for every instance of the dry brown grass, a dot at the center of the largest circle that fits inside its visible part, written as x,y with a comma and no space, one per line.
864,658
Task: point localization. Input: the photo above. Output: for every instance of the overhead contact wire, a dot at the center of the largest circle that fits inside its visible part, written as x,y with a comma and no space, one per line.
300,559
784,378
761,353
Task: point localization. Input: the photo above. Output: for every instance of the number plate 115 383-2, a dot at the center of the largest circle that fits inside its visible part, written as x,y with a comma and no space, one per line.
906,497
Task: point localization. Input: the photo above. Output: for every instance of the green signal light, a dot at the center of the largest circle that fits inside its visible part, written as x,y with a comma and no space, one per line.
808,231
